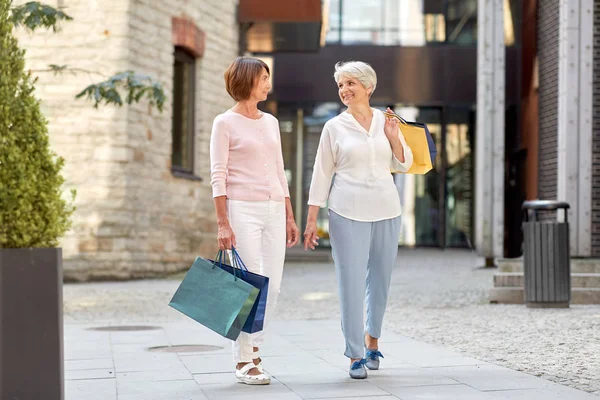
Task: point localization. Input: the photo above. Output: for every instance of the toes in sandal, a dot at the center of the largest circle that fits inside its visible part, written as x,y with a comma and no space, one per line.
243,376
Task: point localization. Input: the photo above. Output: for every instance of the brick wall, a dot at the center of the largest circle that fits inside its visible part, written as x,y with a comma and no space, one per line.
133,218
547,39
596,136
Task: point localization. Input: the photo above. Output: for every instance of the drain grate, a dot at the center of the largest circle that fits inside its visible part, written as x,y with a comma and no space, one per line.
185,348
125,328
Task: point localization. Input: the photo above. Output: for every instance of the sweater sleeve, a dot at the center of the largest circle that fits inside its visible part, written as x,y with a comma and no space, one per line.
219,157
280,167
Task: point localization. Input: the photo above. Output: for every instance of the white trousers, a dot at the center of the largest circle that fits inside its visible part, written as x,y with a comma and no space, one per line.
260,233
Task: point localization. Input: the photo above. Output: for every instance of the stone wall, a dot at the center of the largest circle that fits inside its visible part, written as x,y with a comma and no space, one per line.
134,218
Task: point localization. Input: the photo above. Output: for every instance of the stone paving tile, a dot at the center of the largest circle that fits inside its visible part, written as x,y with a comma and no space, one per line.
297,364
207,363
92,389
390,397
94,363
129,348
175,388
490,377
163,396
104,373
237,390
357,388
144,358
216,378
408,376
439,392
156,339
259,396
87,354
166,374
310,377
550,391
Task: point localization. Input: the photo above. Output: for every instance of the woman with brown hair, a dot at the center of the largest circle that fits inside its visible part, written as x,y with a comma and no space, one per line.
251,195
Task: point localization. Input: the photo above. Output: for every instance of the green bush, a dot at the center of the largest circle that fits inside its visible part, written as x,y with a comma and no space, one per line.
33,212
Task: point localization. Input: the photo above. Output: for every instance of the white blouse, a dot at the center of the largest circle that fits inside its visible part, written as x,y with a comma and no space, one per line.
363,187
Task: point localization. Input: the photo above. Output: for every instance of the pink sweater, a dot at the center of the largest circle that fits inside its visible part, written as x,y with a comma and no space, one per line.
246,161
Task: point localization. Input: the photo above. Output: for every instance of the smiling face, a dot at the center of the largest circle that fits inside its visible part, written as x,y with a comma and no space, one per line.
352,91
262,86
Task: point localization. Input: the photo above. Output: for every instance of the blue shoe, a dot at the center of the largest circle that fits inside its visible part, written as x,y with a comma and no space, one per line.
373,359
357,370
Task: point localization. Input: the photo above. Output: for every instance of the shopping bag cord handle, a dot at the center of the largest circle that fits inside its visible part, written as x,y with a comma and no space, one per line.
399,118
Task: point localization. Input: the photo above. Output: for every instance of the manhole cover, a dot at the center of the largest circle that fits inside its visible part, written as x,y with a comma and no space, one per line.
124,328
185,348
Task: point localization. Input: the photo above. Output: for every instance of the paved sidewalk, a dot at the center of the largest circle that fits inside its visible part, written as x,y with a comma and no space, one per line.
304,358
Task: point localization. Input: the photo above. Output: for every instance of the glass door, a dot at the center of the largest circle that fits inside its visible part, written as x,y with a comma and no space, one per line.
459,178
420,195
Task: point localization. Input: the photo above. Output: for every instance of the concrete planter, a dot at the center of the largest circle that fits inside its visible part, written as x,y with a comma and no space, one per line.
31,324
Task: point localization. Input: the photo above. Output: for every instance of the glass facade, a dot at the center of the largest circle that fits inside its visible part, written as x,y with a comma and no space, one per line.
437,207
410,22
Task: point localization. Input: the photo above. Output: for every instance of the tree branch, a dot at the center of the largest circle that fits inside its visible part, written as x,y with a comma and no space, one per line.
136,85
33,15
59,69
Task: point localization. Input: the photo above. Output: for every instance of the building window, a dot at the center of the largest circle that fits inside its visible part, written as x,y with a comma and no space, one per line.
184,88
412,22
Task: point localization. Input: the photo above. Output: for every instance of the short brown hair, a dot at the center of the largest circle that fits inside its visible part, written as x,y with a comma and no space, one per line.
241,76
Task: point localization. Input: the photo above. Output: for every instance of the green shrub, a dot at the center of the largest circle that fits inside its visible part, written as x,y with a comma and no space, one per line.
33,212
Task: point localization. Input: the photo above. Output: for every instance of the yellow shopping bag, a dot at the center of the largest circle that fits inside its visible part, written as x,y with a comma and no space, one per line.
421,143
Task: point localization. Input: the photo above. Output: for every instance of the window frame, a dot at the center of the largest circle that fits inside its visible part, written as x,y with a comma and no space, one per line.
181,55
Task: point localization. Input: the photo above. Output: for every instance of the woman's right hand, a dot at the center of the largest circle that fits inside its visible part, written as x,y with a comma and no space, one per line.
225,237
311,240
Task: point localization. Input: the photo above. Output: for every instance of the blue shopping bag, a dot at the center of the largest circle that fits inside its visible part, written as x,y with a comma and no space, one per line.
256,318
217,299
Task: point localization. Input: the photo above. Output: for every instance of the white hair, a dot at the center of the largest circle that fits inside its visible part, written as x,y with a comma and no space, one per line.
359,70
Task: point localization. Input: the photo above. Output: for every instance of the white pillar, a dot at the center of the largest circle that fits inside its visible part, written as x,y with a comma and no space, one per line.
575,64
489,151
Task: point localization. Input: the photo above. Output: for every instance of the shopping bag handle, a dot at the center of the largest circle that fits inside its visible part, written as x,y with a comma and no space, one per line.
219,259
236,262
394,115
239,260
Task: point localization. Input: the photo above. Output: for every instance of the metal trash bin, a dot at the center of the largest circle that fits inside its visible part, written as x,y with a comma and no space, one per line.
546,256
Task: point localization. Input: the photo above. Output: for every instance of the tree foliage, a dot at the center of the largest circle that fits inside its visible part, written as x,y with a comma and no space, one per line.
33,15
33,212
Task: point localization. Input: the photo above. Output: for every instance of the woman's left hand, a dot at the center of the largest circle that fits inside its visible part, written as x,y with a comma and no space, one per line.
292,233
391,127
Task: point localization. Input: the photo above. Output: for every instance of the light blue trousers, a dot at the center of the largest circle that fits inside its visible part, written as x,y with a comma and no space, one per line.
364,254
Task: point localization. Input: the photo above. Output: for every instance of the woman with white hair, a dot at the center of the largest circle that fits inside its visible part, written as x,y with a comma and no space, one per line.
360,147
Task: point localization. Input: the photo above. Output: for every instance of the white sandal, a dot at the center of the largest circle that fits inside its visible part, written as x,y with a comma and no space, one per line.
242,375
259,366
